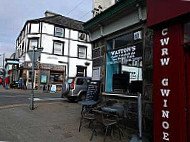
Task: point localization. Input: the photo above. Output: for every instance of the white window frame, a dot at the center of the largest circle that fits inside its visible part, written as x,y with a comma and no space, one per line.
81,52
58,31
30,45
62,48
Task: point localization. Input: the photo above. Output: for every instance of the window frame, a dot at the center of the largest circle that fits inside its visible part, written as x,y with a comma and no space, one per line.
85,38
85,47
60,42
63,31
29,40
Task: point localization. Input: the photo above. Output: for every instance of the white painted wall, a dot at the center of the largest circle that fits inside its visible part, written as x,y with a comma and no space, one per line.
80,62
52,59
70,43
34,28
47,28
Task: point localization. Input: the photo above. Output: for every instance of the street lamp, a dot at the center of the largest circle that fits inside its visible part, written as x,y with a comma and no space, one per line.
34,51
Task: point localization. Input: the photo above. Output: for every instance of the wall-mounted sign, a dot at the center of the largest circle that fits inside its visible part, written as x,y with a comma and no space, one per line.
12,62
170,123
125,55
138,35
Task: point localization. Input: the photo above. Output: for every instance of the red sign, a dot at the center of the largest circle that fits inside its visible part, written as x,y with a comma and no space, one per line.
162,10
168,81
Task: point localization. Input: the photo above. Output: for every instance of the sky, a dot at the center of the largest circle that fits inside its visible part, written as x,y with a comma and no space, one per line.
14,14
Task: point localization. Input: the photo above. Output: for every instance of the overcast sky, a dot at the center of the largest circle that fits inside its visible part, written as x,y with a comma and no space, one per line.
14,13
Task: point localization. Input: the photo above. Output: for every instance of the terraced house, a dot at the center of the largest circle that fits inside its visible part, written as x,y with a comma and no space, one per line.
66,51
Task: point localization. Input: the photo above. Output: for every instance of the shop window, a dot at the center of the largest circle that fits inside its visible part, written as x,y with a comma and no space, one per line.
33,43
59,32
187,32
58,48
56,77
82,52
124,65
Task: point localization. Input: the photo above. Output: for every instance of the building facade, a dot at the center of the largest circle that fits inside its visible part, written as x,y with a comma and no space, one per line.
65,50
122,55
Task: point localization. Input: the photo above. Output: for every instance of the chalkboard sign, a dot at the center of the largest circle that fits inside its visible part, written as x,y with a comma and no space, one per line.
93,91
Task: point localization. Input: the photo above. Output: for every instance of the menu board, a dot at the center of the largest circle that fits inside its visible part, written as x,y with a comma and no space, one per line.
93,91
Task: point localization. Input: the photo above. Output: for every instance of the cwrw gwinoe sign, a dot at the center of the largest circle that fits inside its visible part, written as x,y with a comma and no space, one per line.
164,90
169,114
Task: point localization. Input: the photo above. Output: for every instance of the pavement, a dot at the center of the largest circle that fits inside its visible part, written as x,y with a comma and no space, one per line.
55,120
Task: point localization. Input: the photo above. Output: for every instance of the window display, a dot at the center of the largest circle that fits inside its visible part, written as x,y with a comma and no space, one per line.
124,64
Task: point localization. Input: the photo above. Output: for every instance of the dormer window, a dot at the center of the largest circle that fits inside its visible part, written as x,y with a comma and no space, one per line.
82,36
59,32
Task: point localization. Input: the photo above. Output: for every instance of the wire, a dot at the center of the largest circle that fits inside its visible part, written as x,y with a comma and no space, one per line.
85,15
75,7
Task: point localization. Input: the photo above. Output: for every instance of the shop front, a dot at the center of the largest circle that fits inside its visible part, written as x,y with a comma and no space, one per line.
122,61
51,75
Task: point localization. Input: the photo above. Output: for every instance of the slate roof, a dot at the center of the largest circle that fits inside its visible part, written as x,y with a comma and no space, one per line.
61,21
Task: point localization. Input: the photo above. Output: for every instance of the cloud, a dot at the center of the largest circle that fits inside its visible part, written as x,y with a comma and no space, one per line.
14,13
7,48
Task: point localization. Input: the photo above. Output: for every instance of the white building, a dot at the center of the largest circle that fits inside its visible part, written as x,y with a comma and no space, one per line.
66,52
101,5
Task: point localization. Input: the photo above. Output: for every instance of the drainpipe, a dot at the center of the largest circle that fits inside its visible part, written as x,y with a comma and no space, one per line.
139,12
101,30
67,75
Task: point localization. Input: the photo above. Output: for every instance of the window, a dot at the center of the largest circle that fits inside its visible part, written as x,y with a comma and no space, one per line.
59,32
58,48
33,43
81,71
82,51
187,32
82,36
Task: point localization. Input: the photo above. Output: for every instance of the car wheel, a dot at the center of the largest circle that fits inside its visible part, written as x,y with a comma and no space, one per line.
71,99
82,97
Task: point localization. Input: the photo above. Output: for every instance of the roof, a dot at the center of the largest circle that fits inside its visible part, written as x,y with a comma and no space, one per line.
110,12
61,21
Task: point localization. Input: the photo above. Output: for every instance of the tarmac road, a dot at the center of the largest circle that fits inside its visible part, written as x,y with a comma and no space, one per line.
15,97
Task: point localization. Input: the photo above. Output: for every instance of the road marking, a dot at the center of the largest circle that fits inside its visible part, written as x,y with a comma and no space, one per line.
48,99
12,106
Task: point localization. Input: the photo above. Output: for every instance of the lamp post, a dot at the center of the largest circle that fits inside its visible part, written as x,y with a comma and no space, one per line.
38,50
3,59
3,66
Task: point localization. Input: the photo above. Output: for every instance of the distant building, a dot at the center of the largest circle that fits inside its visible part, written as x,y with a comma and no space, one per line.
101,5
66,50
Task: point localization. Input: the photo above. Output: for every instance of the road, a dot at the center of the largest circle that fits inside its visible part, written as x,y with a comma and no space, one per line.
18,96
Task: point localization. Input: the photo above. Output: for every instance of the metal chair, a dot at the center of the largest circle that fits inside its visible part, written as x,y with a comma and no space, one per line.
108,121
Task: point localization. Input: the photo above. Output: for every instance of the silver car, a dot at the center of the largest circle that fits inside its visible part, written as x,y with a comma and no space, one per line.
75,88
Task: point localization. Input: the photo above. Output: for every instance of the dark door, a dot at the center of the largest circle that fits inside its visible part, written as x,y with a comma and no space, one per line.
81,71
187,88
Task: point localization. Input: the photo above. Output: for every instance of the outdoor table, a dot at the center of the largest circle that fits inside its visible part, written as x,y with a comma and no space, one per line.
113,109
88,103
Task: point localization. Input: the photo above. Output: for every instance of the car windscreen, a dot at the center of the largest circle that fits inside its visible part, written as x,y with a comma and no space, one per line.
70,81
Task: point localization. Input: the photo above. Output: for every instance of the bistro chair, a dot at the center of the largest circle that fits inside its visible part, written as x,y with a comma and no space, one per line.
108,121
89,103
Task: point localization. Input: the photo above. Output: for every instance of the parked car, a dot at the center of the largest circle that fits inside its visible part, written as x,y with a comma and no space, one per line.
75,88
14,84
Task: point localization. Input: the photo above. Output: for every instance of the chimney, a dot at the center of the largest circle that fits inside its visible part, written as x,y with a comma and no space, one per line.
49,13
